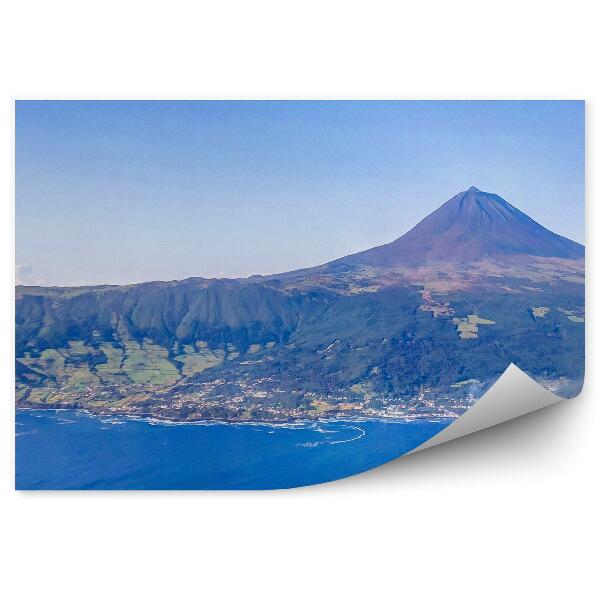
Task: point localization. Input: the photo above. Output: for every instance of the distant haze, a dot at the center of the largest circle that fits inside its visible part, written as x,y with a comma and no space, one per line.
121,192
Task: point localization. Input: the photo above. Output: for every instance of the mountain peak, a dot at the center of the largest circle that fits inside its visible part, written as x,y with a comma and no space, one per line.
471,226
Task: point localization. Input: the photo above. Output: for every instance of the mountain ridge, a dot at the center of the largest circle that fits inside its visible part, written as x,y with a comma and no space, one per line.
469,227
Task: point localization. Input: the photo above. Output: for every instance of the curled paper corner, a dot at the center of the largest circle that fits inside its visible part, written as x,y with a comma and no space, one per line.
513,395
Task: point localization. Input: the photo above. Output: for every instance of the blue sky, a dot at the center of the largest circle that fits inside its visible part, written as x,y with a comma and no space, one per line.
122,192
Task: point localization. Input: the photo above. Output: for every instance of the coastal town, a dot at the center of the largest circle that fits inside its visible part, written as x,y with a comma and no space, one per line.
246,401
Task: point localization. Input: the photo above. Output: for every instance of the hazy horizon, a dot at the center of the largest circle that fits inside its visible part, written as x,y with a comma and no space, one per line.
117,192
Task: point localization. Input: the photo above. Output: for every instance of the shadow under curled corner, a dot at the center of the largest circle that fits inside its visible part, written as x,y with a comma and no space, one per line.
513,396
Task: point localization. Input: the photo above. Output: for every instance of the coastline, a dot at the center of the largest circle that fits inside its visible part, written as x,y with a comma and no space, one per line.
206,422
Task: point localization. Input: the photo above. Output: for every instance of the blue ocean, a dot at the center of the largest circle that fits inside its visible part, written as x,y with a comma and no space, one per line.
70,449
